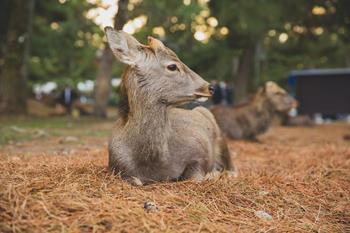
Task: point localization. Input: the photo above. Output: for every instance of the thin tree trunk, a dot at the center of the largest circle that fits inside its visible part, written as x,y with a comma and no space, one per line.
102,86
257,63
13,77
245,74
5,7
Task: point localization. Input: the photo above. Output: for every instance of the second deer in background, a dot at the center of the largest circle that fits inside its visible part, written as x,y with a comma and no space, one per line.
254,118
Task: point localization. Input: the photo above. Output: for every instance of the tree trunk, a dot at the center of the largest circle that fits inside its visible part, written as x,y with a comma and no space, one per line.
13,72
245,74
102,86
5,7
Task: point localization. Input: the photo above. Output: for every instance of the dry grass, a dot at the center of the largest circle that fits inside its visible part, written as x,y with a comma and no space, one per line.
299,176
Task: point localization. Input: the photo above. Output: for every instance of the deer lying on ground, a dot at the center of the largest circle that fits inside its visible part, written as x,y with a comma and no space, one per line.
154,140
254,118
301,120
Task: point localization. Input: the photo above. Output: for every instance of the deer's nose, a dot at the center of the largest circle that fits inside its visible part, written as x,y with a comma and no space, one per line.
211,89
295,104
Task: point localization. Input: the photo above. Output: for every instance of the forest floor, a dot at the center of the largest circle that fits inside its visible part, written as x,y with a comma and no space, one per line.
53,178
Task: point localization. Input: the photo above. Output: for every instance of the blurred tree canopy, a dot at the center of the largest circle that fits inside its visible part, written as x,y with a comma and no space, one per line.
245,42
64,43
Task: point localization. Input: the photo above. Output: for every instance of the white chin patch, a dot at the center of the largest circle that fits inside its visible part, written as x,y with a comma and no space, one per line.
202,99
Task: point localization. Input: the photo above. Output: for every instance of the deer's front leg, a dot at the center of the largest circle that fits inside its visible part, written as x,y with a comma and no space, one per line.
134,181
194,172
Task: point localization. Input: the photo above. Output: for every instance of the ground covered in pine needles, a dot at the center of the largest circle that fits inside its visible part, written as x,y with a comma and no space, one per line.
293,180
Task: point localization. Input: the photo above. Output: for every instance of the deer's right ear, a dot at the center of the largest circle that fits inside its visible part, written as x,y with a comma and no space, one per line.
124,46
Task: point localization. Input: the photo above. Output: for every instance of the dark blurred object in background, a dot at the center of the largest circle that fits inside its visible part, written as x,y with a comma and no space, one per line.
67,98
217,96
322,91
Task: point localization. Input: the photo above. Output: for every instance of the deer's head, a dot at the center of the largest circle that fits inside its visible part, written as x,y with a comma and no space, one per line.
156,71
278,97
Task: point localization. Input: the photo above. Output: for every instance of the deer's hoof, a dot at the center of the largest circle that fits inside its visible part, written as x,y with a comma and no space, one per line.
135,181
232,174
213,176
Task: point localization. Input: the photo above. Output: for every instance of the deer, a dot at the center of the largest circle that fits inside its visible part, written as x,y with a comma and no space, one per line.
254,118
154,140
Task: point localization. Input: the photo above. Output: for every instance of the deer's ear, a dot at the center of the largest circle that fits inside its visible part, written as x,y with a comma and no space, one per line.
272,87
124,46
155,44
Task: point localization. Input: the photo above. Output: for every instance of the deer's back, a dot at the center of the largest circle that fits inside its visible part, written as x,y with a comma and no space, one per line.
243,122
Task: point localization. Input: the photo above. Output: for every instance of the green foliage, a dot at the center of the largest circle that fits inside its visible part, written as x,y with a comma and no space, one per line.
307,49
259,21
63,42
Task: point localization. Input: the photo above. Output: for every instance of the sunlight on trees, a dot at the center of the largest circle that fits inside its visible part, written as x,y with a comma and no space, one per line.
201,36
272,33
54,26
318,10
103,15
299,29
317,31
159,31
204,25
224,31
187,2
134,25
283,37
212,21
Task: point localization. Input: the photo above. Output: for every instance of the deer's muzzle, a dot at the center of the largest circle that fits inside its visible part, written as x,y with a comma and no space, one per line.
295,104
204,91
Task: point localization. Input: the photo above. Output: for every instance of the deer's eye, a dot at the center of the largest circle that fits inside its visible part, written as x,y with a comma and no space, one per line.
172,67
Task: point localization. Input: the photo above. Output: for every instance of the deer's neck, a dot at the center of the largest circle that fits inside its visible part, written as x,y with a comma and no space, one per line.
148,125
263,111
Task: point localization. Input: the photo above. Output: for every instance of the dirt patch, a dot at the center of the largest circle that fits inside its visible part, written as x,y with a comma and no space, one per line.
300,177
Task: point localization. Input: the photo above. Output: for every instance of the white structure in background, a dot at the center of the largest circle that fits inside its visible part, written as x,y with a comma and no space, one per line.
293,112
318,119
86,86
46,88
115,82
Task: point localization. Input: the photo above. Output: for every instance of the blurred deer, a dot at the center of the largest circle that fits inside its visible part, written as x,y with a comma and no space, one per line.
255,117
154,140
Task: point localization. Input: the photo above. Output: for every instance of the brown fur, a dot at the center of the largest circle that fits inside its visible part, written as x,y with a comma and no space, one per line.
154,140
301,120
254,118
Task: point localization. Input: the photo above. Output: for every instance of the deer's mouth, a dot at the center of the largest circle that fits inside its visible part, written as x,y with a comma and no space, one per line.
189,98
201,94
201,97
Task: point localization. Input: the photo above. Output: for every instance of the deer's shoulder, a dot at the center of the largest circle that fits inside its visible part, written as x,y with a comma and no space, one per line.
197,118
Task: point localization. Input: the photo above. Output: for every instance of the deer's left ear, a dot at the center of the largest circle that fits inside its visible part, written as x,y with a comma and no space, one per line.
155,45
272,87
124,46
